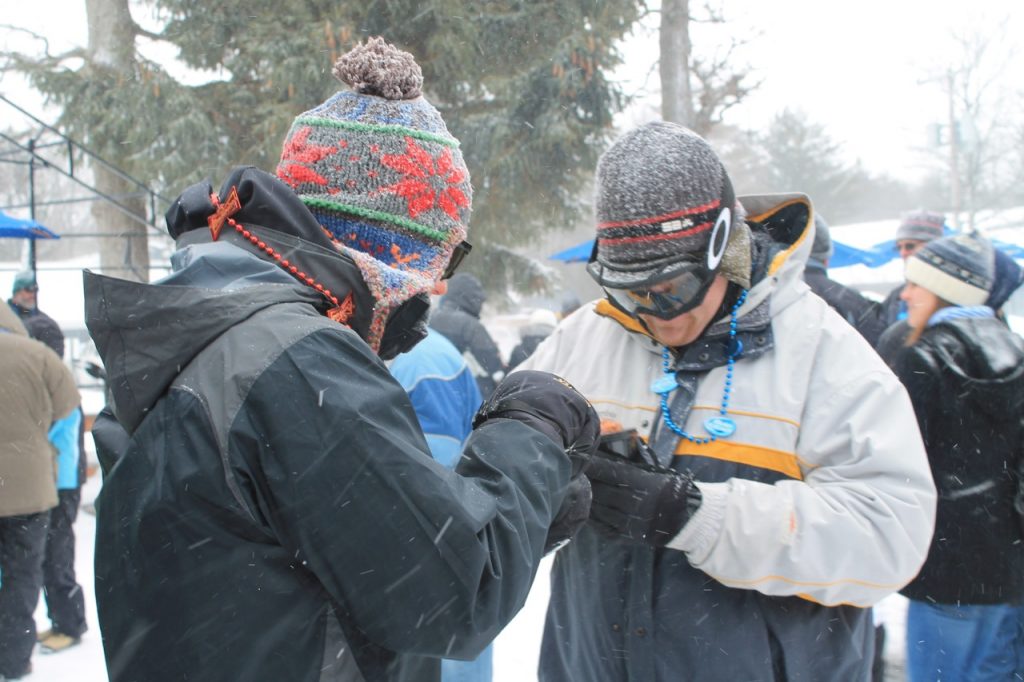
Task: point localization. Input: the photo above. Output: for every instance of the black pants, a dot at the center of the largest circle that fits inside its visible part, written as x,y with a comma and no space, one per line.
22,545
65,603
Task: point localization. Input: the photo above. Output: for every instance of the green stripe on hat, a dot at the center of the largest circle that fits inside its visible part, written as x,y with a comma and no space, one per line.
385,128
364,212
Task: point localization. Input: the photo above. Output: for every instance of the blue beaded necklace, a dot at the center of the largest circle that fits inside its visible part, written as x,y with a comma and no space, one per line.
721,426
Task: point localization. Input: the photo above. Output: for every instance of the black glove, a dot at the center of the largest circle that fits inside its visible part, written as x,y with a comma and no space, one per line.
549,404
637,502
571,515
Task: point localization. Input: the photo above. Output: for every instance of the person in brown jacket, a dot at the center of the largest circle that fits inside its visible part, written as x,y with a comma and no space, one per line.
36,389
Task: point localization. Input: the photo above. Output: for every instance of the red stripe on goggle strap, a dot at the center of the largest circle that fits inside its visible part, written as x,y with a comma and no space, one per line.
660,218
612,241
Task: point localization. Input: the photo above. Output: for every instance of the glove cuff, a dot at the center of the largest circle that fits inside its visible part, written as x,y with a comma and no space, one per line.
700,533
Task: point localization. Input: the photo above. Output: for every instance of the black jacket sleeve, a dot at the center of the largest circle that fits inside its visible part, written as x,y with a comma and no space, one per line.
422,560
918,370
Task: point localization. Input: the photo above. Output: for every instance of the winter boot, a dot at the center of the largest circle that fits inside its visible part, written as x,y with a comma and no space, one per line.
58,641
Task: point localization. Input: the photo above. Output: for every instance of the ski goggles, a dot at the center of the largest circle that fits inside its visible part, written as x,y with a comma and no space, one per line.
675,288
666,299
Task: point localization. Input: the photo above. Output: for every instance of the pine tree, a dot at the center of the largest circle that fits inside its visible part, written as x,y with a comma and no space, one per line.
522,83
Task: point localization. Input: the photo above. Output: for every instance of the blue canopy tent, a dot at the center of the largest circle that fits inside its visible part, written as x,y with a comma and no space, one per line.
24,229
19,228
575,254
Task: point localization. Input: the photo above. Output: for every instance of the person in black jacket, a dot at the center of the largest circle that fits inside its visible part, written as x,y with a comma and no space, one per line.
537,328
24,302
458,320
964,371
270,508
1007,278
852,306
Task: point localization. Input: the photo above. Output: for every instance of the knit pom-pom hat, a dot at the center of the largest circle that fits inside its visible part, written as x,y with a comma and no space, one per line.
959,269
379,170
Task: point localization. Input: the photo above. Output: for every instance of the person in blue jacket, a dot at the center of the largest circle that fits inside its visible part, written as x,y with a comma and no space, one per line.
65,601
445,397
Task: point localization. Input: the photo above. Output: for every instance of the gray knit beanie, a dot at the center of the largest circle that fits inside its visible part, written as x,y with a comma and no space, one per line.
662,193
958,269
922,225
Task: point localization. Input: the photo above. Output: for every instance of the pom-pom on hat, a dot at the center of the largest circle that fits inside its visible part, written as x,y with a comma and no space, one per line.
922,225
958,269
379,170
662,193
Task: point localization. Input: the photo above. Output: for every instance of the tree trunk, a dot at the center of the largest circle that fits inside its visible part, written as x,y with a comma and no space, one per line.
112,35
674,62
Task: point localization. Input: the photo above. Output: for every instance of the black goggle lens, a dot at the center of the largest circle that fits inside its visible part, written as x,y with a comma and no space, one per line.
462,250
667,299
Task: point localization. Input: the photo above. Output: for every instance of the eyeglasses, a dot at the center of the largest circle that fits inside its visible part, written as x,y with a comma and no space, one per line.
908,246
462,250
666,299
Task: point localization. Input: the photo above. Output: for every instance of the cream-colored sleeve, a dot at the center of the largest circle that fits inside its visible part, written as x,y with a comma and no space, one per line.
857,527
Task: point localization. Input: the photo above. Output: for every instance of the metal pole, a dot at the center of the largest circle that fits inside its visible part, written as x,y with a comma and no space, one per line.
32,203
954,154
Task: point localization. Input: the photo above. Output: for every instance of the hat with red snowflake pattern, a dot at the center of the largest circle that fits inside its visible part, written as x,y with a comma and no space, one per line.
378,168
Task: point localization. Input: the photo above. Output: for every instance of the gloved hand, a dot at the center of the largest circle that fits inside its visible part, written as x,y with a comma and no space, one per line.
636,502
549,404
571,515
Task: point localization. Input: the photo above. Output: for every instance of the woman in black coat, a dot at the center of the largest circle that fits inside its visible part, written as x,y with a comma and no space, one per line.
964,371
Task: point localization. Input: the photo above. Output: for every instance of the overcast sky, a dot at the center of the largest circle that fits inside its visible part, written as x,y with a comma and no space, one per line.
858,68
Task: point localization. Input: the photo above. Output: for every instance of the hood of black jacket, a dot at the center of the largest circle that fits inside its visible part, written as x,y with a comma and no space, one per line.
987,356
147,333
465,293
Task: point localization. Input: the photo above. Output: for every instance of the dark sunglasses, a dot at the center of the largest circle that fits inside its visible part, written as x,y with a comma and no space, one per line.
462,250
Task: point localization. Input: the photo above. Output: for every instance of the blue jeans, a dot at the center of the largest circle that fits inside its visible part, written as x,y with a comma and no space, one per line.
963,643
478,670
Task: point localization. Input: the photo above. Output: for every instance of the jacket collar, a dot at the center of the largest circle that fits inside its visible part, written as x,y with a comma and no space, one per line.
147,333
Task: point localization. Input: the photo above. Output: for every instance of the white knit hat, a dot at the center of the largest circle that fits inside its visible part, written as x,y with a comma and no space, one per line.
957,269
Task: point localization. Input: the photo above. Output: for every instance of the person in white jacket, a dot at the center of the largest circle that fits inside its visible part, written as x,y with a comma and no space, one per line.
761,484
